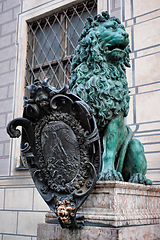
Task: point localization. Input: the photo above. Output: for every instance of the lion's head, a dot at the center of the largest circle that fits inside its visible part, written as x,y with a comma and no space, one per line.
98,68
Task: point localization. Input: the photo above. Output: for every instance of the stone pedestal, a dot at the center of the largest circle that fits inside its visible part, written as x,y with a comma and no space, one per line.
55,232
114,210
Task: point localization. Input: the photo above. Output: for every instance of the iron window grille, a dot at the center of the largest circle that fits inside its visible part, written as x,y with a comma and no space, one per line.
51,43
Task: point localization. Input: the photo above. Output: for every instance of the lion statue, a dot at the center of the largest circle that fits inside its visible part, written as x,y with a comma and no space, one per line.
98,76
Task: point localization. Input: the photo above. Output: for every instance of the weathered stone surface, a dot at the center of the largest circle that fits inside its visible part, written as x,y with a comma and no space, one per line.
10,4
8,222
112,211
27,222
16,202
5,17
1,198
121,204
55,232
7,28
5,41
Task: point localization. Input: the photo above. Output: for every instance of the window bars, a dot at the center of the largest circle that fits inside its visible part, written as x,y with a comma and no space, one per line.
51,43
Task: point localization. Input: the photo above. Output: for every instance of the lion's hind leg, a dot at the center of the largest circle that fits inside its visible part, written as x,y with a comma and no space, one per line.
135,164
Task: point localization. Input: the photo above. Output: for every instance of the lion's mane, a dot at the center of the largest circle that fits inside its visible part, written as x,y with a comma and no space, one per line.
98,79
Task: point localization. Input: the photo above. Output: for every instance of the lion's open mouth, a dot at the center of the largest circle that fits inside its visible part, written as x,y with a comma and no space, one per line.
118,47
115,52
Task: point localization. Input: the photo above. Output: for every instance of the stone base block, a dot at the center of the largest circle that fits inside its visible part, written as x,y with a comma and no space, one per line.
55,232
114,203
114,210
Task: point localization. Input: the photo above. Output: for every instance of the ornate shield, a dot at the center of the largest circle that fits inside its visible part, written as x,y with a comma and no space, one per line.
60,142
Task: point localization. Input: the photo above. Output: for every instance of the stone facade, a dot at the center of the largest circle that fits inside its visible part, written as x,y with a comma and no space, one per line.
141,20
8,22
21,207
120,204
54,232
114,210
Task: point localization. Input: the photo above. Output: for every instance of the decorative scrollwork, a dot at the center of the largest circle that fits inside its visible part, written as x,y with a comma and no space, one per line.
60,142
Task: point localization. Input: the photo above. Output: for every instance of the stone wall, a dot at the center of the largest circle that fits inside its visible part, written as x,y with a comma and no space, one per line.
21,207
8,22
142,22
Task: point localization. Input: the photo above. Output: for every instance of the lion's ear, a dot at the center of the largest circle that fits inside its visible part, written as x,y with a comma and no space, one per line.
88,22
127,59
106,15
127,62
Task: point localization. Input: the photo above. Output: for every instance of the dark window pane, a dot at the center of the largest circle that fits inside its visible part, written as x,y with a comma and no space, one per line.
46,46
75,26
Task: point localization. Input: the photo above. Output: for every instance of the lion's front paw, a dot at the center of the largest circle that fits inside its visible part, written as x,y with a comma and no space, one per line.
111,175
139,178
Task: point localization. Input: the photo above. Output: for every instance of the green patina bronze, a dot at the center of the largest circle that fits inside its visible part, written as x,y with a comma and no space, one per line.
98,76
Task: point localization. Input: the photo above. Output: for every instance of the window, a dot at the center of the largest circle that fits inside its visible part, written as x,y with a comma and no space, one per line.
51,43
50,46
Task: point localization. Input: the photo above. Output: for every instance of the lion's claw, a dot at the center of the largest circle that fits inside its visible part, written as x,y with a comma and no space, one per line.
111,175
139,178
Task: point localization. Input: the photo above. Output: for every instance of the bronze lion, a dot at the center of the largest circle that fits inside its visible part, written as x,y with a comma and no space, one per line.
98,76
